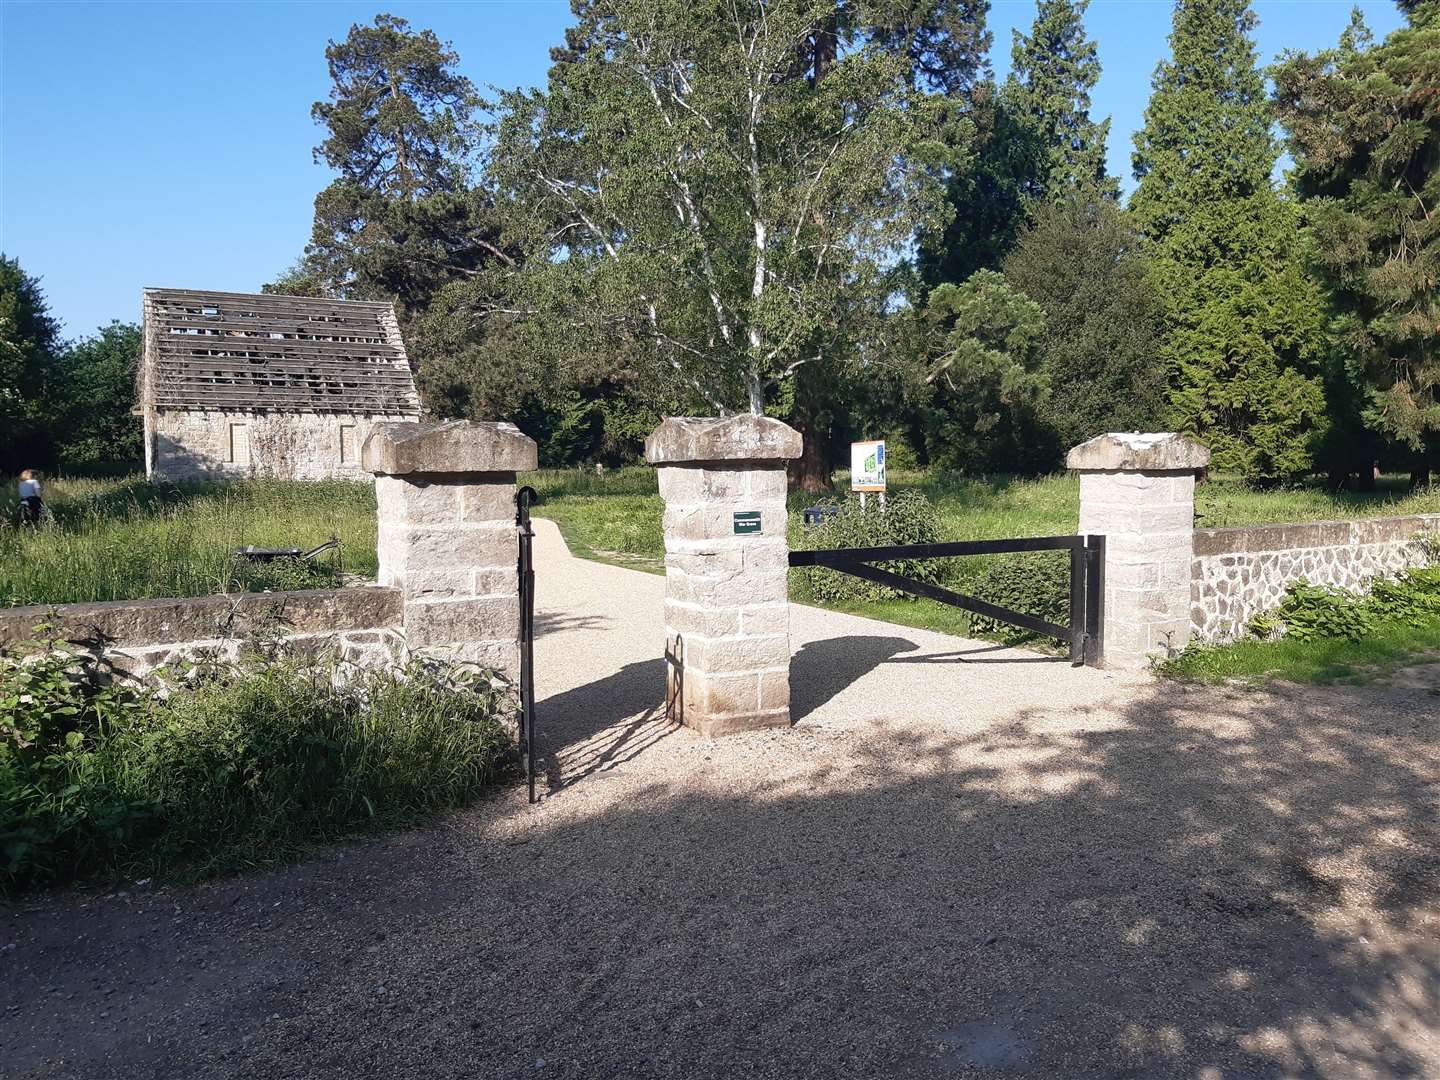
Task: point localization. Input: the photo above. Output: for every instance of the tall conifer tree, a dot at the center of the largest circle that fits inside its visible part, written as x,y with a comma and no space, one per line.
1053,69
1245,345
1364,125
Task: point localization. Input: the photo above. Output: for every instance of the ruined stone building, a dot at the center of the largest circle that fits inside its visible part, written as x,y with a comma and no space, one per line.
239,384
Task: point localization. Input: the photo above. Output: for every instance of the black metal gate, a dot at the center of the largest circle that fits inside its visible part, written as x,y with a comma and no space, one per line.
1085,630
525,498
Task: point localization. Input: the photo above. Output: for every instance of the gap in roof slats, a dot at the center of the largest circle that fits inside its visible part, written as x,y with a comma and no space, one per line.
215,350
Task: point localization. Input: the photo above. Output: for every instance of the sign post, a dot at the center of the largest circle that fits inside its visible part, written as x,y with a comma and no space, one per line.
867,469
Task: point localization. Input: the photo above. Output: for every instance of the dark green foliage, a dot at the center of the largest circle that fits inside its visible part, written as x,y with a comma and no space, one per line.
909,518
401,220
988,195
1364,124
1053,69
1033,584
986,383
1206,137
29,342
1245,344
97,377
1083,262
244,767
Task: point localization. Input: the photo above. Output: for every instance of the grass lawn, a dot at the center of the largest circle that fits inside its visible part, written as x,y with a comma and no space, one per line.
1392,645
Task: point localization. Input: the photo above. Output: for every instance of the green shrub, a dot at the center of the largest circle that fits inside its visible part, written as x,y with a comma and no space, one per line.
1316,611
907,519
1413,598
288,574
1034,583
233,769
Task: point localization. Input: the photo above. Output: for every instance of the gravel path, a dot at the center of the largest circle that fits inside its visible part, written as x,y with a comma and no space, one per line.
962,861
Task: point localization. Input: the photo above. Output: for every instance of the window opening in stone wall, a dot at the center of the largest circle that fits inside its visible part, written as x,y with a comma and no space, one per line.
347,444
239,445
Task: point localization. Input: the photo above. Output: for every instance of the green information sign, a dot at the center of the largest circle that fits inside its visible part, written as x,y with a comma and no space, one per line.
747,521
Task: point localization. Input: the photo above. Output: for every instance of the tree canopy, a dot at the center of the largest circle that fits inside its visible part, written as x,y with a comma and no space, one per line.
402,218
1052,71
1245,344
720,188
1364,127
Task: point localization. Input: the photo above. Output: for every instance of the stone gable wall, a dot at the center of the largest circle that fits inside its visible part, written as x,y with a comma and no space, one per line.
196,445
359,626
1238,573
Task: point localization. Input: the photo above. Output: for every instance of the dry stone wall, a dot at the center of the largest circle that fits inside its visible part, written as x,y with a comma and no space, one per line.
1238,573
357,626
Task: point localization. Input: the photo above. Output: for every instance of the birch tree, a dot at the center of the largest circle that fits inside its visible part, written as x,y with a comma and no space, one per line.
696,194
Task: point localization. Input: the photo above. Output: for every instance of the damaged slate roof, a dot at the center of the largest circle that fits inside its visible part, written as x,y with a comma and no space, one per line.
265,352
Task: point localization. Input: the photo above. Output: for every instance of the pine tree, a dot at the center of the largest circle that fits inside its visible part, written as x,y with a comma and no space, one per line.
1364,124
1053,70
1245,325
401,220
1206,137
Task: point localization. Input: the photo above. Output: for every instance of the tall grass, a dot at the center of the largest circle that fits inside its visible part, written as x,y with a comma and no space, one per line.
246,767
126,539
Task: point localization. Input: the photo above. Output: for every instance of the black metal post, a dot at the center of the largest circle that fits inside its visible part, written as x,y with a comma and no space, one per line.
1095,600
1077,606
523,500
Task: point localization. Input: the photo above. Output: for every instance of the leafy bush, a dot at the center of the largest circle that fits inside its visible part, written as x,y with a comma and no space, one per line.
1035,584
1413,598
288,574
229,770
907,519
1316,611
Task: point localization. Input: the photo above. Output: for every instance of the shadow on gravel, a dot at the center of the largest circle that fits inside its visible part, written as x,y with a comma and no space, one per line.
632,696
1201,885
822,669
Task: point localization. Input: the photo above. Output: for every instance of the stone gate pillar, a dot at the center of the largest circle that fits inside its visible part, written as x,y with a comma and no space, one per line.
727,611
1139,491
445,503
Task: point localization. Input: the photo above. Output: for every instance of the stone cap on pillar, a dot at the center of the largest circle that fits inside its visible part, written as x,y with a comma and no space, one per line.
1137,452
447,446
744,437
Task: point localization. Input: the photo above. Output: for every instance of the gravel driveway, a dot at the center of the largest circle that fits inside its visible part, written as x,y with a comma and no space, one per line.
962,861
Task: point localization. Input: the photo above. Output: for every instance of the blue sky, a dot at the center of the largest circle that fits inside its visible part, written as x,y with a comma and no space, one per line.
169,144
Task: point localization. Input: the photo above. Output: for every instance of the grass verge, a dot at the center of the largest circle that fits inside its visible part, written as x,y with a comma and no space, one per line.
1391,645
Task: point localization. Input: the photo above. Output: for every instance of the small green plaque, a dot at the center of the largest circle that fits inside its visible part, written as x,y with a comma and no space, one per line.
747,521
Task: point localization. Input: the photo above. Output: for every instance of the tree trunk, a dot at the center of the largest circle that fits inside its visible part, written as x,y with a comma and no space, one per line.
810,472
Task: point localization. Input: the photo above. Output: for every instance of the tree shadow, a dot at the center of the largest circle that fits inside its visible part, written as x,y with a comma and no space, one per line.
1185,883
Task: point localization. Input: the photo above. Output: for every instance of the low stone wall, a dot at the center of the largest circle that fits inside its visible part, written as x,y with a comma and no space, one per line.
1238,573
360,625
